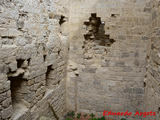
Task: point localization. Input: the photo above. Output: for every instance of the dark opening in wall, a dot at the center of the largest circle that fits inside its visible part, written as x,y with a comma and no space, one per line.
147,57
144,84
20,63
62,20
44,57
18,88
96,31
29,61
59,51
113,15
49,69
96,40
159,109
19,93
93,15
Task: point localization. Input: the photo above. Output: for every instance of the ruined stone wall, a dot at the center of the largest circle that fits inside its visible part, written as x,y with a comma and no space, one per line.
107,57
33,58
106,68
152,81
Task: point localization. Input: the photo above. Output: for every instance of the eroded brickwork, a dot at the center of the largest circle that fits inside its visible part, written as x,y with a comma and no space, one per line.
113,62
152,81
33,59
107,77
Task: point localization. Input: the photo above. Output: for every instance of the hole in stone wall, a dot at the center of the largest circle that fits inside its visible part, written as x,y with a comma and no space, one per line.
19,91
159,109
113,15
20,63
62,20
29,60
93,15
59,52
96,31
49,69
77,74
17,88
58,82
44,57
95,38
144,84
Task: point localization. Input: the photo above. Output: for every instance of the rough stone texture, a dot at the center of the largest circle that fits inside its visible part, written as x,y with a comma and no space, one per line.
152,80
33,59
101,76
113,63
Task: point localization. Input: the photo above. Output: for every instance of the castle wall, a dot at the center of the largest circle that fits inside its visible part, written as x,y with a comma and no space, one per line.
33,59
106,69
109,62
152,81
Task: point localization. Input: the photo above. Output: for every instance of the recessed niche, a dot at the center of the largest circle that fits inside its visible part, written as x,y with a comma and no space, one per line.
18,88
44,57
144,84
20,63
49,70
19,94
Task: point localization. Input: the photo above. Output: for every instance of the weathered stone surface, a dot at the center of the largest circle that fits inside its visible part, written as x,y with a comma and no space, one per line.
152,80
110,41
6,113
111,63
6,102
30,41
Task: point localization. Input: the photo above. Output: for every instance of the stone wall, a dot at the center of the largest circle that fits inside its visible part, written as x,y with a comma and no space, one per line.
108,44
33,58
108,40
152,81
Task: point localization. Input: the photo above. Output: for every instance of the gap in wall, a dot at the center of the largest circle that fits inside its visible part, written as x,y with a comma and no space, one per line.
62,20
20,63
49,70
96,31
18,92
95,38
17,84
44,57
